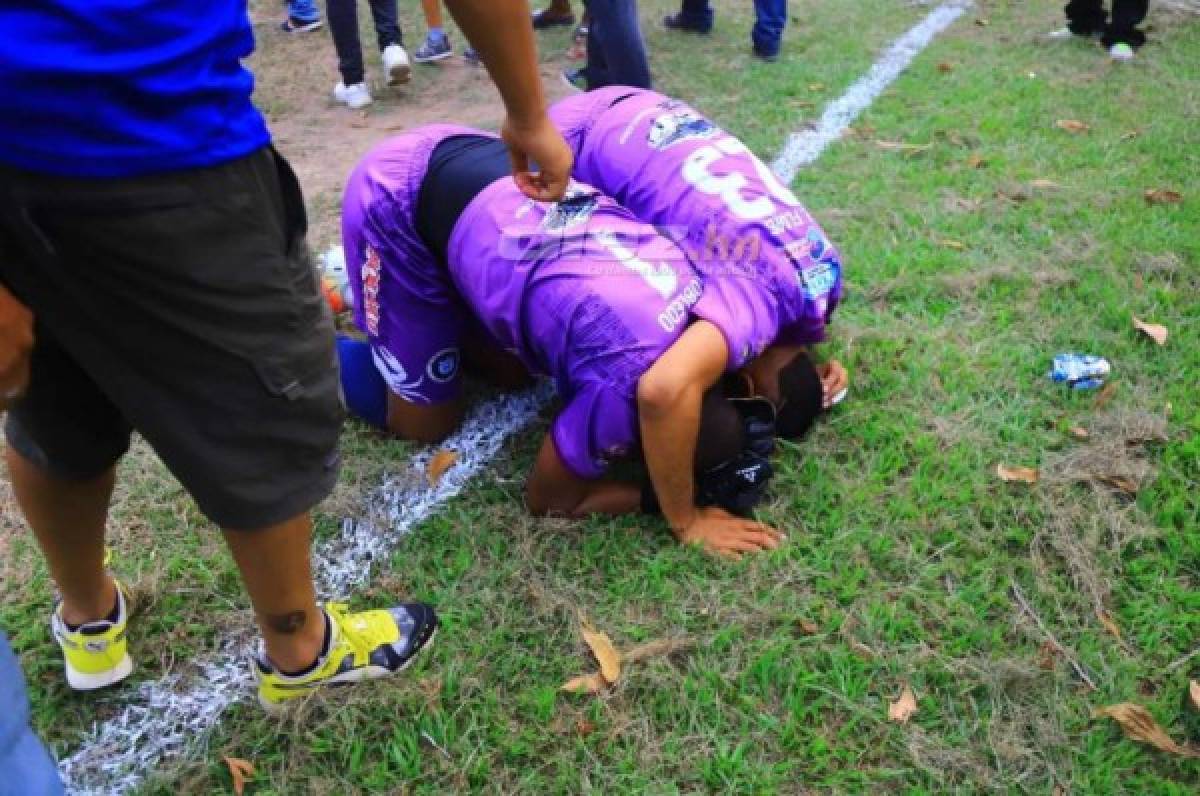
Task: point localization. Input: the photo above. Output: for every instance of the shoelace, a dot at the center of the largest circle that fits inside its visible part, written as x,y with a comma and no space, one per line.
364,631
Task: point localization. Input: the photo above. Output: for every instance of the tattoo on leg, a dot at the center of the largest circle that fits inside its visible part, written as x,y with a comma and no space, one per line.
286,623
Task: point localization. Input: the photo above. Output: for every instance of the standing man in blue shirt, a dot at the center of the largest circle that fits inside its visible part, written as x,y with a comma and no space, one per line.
152,241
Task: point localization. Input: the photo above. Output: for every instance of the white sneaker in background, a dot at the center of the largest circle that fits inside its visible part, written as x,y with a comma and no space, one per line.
355,96
395,65
1120,52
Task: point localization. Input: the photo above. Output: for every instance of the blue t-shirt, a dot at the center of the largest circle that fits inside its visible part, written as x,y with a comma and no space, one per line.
116,88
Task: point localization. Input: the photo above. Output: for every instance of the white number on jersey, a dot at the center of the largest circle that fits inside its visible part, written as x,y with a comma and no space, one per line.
728,184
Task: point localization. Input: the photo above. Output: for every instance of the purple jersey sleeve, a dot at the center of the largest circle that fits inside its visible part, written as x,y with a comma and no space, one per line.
770,273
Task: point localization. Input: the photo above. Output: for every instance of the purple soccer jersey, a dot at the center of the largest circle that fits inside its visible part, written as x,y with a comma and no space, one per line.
770,274
578,290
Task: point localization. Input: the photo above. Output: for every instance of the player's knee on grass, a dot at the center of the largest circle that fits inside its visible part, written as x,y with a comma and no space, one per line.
424,423
369,399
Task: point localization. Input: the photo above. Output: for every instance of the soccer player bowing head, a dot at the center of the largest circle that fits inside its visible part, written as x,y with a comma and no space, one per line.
450,264
771,278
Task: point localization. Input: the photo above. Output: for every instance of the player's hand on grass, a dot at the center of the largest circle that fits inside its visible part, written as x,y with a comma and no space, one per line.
16,342
721,533
541,143
834,380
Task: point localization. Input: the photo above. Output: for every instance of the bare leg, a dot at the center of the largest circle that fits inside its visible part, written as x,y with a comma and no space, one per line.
67,518
277,571
433,13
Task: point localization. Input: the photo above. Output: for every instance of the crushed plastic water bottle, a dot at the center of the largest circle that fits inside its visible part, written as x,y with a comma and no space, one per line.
1080,371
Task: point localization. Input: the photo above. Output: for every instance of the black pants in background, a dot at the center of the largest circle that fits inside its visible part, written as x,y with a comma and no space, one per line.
1085,17
343,24
616,54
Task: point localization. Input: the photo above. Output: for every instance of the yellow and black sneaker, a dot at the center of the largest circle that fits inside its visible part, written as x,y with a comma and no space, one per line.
358,646
95,653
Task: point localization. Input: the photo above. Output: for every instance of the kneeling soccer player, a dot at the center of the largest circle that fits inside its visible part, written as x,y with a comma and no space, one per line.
771,278
446,257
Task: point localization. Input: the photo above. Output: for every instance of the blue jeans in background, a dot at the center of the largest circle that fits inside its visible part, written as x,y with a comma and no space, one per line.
770,17
26,768
616,54
303,10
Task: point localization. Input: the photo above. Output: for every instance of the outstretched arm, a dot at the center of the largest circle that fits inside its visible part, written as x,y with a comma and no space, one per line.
553,489
501,33
670,394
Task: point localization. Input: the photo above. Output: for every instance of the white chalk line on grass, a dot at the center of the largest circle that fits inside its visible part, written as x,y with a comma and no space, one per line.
804,147
164,717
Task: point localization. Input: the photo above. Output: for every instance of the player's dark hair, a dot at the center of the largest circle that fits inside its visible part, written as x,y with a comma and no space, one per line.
721,436
801,397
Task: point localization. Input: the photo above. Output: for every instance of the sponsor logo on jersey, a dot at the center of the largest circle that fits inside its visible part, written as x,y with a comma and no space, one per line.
820,278
370,279
443,366
572,210
677,311
678,123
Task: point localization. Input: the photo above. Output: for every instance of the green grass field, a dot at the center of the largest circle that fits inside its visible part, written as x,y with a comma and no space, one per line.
973,256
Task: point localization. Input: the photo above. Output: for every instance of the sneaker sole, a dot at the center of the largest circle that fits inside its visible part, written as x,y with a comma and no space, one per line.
399,74
571,85
309,28
82,681
350,678
432,58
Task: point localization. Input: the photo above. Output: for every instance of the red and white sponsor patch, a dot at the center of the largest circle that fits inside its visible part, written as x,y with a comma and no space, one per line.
370,278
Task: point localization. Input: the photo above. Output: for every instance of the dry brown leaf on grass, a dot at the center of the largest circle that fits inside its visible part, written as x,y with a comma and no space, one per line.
1155,331
1044,185
1105,395
1194,693
1132,134
606,654
1109,624
1138,725
945,67
1121,483
1079,432
439,463
903,708
1027,475
1162,196
808,627
902,146
976,162
655,649
950,243
239,770
592,683
1072,125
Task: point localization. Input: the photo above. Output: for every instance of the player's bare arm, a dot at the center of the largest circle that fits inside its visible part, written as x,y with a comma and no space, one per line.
669,400
501,34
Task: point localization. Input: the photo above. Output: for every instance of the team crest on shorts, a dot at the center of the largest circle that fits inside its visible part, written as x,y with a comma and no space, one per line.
678,123
443,366
572,210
